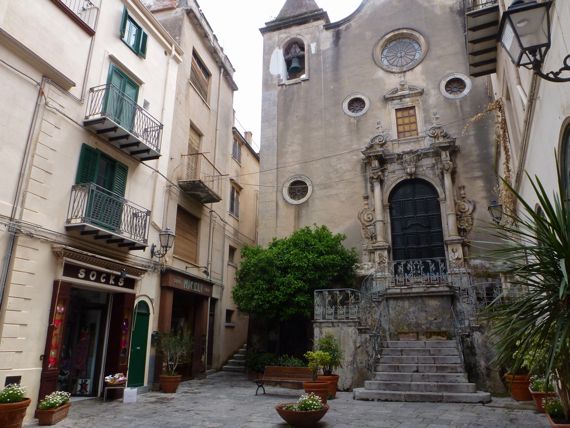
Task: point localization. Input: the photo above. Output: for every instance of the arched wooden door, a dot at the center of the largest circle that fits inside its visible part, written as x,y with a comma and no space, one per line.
415,219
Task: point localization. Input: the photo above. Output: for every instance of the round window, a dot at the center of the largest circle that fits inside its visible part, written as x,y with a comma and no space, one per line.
297,189
455,86
355,105
400,50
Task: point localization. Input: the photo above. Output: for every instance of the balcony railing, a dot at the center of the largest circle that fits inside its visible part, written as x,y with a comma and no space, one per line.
419,272
107,216
200,178
113,115
339,304
475,5
84,12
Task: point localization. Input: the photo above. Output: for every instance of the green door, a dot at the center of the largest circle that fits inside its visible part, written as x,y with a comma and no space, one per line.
121,98
137,362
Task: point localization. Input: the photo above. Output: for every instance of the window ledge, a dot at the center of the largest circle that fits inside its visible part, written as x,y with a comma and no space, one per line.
232,264
229,325
293,81
233,215
236,161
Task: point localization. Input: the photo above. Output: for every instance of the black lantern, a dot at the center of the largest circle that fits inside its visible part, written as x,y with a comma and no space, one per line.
525,35
166,238
496,211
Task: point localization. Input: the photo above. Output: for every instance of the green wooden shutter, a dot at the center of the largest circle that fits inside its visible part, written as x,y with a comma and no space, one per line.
87,168
142,49
124,22
120,181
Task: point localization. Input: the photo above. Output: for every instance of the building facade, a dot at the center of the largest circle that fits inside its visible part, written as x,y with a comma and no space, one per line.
366,128
95,165
208,204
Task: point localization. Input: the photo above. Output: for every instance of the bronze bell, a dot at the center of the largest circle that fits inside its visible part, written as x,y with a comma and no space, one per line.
295,66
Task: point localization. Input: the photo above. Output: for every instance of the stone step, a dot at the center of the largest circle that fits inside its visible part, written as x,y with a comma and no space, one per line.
420,386
420,368
420,377
232,368
240,357
420,351
421,344
399,359
234,362
436,397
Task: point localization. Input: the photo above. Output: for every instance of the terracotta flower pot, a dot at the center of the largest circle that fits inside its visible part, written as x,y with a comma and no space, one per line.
12,414
558,424
52,416
540,398
318,388
301,419
169,384
518,384
332,380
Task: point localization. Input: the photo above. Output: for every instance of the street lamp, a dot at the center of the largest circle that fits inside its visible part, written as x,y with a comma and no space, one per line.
525,35
166,238
496,211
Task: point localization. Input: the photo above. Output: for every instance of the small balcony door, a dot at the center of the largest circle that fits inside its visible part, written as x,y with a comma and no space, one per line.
121,98
105,203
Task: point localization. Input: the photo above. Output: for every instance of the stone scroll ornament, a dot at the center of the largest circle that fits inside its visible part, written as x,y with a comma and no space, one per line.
366,218
464,209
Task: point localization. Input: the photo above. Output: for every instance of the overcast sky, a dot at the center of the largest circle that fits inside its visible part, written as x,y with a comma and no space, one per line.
237,24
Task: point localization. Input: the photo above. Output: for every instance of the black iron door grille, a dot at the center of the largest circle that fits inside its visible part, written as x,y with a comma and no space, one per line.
415,219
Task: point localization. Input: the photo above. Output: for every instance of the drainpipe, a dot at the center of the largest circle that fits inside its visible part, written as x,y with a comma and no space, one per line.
218,113
10,245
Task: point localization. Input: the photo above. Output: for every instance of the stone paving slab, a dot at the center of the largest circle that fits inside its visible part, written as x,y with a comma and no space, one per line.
228,400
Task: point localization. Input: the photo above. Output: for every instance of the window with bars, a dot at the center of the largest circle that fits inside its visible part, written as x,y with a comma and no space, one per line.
407,122
200,76
234,201
236,151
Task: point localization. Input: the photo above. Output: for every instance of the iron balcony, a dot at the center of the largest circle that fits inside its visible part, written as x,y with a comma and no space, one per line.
107,217
200,178
481,30
114,116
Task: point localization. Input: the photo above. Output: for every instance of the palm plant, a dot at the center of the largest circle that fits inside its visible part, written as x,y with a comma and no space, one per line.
537,250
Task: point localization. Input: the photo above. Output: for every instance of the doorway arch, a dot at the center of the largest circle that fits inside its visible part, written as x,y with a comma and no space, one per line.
415,221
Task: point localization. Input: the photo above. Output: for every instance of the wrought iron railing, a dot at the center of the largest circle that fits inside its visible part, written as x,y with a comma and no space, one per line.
109,101
337,304
86,10
198,167
420,272
476,5
94,205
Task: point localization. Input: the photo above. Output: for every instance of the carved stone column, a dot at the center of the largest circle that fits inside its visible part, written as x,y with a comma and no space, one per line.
449,195
376,177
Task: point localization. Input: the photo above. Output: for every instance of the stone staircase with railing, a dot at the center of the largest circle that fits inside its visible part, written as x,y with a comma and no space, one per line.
428,371
237,362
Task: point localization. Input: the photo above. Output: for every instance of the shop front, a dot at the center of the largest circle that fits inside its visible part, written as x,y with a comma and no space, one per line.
89,328
184,306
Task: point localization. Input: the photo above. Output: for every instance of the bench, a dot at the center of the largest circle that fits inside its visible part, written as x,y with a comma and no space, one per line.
277,374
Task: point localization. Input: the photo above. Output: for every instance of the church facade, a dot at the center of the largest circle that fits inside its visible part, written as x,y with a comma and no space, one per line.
371,126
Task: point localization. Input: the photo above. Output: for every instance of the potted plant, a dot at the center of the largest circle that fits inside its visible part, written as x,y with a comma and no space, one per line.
316,361
555,414
176,348
53,408
329,344
306,412
518,378
536,251
541,390
13,405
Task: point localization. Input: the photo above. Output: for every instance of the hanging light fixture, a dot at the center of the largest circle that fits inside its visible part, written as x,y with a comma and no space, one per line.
496,211
166,239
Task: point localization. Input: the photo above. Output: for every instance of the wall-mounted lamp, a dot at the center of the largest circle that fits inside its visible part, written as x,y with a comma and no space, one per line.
166,238
496,211
525,34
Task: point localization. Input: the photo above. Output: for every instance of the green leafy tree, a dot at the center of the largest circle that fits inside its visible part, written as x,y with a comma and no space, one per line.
533,329
278,282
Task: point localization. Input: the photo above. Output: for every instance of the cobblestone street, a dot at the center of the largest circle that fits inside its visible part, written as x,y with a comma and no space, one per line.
228,400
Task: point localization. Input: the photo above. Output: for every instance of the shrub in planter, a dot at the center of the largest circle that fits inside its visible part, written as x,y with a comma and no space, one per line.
555,413
329,344
541,390
306,412
175,348
53,408
13,405
317,360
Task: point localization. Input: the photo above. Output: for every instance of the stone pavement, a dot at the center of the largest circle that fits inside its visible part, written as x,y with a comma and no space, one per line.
228,400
